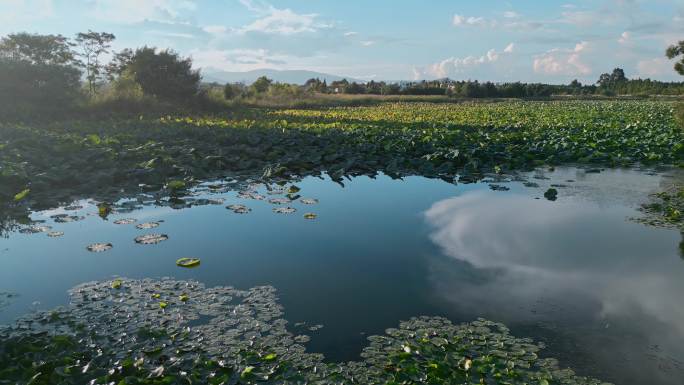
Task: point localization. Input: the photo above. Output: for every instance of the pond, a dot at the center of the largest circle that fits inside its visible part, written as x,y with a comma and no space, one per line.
603,292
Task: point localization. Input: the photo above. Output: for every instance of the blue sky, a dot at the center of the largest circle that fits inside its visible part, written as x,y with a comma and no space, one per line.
546,41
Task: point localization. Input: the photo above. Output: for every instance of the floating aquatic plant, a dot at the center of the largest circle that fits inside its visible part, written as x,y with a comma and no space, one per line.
239,209
188,262
125,221
151,239
279,201
551,194
147,225
309,201
55,234
99,247
284,210
310,216
142,331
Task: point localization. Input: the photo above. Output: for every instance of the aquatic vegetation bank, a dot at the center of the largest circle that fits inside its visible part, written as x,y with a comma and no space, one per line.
166,332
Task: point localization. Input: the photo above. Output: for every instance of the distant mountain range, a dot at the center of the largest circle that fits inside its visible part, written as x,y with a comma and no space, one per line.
211,75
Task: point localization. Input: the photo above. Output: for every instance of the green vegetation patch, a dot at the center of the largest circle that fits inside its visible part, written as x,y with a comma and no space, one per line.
181,332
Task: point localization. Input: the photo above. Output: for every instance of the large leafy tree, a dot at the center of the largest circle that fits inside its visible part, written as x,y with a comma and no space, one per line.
93,45
163,74
37,72
675,51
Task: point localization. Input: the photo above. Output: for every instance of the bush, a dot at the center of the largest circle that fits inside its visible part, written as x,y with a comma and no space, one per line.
231,91
679,114
164,74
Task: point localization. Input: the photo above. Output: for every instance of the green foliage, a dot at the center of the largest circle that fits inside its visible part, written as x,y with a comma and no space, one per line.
261,85
429,139
675,51
232,91
164,74
93,45
37,74
666,208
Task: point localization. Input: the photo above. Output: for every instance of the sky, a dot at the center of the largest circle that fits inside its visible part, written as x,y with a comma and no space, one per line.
533,41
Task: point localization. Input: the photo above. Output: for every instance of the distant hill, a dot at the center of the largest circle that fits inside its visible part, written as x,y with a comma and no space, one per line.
210,75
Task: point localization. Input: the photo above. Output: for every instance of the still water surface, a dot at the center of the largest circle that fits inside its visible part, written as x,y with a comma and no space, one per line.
603,292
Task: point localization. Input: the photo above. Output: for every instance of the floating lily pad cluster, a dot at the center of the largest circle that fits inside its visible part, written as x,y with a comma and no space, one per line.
167,331
666,208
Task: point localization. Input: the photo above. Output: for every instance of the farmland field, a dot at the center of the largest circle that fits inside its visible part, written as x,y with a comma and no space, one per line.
344,221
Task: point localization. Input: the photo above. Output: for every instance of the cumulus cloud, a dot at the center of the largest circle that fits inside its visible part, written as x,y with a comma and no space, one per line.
236,59
132,11
625,37
567,62
280,21
455,66
459,20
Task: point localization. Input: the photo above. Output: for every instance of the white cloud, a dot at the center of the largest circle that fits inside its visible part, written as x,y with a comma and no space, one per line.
280,21
132,11
655,67
351,33
509,48
568,62
215,29
625,37
237,59
455,66
511,15
459,20
367,43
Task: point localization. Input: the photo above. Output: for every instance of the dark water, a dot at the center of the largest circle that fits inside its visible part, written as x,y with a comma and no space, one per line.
604,293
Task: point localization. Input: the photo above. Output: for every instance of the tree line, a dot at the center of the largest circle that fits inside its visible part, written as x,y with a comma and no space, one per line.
54,71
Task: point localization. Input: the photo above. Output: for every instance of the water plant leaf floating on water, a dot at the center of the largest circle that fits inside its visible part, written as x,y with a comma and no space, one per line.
99,247
151,239
147,225
125,221
55,234
284,210
183,297
310,216
116,284
239,209
551,194
69,218
35,229
104,209
309,201
120,336
176,185
293,189
188,262
21,195
279,201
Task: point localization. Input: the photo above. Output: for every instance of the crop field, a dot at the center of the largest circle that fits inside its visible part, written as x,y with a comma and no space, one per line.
47,163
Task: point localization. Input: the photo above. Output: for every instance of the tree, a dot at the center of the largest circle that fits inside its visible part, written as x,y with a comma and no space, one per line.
37,49
93,44
118,64
673,52
262,84
231,91
163,74
37,72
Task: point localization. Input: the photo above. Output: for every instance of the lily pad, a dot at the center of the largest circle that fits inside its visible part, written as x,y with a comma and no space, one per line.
188,262
147,225
99,247
55,234
125,221
239,209
310,216
551,194
309,201
284,210
35,229
151,239
279,201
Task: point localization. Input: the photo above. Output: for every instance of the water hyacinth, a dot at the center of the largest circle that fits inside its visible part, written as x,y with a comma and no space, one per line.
177,331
